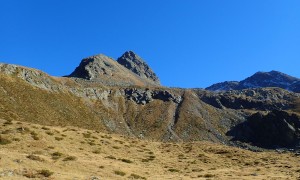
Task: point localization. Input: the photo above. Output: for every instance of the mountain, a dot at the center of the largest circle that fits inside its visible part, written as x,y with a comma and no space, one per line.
259,80
102,94
137,65
113,120
129,70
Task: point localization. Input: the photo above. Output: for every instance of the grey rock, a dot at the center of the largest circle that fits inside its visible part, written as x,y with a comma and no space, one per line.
141,96
134,63
94,67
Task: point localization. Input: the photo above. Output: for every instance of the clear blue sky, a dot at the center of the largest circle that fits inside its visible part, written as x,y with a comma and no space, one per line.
188,43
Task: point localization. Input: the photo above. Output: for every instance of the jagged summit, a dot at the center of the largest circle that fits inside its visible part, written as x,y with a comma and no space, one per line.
137,65
93,67
106,70
259,80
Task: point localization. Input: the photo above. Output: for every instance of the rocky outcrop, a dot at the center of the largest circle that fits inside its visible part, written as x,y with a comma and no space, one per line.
107,71
137,65
145,96
95,67
34,77
265,99
277,129
260,80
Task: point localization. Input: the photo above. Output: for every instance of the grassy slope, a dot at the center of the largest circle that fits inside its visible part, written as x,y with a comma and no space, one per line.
21,101
96,154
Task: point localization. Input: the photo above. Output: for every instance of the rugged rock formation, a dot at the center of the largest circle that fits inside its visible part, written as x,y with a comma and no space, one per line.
264,99
105,70
145,96
259,80
277,129
134,63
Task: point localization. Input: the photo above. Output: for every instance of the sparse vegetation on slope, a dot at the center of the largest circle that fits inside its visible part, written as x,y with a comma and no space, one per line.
69,159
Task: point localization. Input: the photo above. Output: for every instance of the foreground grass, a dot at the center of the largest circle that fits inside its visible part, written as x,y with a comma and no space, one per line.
68,153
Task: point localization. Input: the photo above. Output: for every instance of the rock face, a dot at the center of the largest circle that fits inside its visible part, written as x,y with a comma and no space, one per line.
136,64
277,129
259,80
106,70
95,67
265,99
145,96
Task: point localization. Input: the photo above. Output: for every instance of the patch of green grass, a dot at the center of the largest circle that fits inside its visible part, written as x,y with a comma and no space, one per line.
56,155
207,175
6,131
51,147
58,138
86,135
173,170
96,151
126,161
110,157
70,158
34,135
135,176
8,122
49,133
45,128
46,173
35,158
16,139
4,141
120,173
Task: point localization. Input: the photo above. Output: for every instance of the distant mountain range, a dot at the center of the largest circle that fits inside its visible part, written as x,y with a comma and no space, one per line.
260,80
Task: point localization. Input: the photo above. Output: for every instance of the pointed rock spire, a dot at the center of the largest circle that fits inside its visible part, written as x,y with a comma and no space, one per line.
137,65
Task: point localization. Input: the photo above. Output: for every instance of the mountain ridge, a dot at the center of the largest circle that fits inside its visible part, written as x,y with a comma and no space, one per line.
260,80
141,109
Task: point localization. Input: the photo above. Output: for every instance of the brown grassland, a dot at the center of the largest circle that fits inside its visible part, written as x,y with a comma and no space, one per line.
29,150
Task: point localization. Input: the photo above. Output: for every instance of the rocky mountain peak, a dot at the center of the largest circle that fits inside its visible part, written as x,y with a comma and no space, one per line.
94,66
269,79
260,80
137,65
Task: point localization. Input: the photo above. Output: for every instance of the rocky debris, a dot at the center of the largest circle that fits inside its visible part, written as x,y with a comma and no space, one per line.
145,96
277,129
259,80
134,63
258,99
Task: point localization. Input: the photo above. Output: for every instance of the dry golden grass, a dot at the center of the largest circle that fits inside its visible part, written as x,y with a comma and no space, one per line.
74,157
